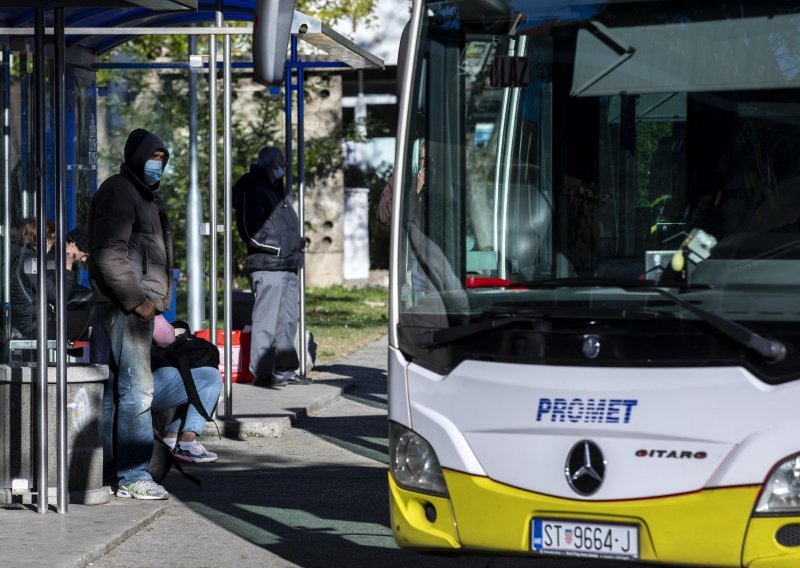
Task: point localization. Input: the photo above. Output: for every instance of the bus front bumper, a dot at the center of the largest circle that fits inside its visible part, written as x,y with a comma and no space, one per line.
709,527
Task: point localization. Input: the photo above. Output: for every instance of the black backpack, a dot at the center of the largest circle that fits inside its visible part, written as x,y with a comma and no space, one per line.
187,352
197,351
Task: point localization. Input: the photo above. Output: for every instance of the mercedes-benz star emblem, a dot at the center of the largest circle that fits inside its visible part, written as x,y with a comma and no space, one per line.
585,467
591,346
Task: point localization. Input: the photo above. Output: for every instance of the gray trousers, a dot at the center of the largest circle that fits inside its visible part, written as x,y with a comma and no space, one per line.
275,313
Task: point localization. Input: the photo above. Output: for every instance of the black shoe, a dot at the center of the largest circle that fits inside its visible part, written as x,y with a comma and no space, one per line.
277,381
295,379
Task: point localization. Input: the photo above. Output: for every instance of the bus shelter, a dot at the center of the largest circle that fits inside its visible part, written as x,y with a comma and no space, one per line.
49,155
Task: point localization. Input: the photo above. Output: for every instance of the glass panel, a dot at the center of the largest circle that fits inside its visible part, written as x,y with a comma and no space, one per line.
536,184
22,199
82,173
19,244
5,221
750,53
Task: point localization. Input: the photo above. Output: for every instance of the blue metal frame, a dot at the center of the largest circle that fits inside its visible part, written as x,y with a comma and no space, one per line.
235,65
294,64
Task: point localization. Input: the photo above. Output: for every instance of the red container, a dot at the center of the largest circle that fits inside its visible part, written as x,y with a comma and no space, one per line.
240,353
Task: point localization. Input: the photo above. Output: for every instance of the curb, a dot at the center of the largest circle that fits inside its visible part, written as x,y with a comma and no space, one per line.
273,426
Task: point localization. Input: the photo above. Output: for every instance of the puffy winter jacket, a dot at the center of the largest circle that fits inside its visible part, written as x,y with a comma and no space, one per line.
25,286
128,233
267,223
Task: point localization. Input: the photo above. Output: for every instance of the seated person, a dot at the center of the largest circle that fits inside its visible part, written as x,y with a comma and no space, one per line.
169,392
25,285
779,209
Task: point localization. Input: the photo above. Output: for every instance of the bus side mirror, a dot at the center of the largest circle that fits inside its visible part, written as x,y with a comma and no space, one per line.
271,28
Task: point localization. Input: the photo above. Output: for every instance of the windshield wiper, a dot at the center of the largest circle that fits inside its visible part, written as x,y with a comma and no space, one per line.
499,318
438,337
772,350
491,320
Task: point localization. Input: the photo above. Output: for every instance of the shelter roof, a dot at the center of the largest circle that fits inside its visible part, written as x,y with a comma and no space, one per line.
123,14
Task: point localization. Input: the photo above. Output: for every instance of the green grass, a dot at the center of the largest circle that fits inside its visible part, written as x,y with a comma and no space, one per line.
344,319
341,319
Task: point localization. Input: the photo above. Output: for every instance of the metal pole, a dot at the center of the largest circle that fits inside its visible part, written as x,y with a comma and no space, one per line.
194,213
290,65
227,301
27,183
301,210
287,107
212,184
41,259
62,481
6,200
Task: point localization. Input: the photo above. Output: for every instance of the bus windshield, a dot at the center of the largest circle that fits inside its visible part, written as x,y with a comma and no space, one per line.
565,156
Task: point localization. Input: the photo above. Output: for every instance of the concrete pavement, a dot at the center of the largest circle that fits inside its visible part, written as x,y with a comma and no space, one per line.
86,532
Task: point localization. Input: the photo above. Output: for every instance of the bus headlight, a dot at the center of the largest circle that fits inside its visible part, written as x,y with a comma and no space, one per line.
781,492
413,462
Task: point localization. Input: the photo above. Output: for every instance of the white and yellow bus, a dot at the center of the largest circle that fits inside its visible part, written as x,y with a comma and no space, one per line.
595,314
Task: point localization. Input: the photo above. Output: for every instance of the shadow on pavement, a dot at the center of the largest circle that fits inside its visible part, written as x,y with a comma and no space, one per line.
325,514
364,384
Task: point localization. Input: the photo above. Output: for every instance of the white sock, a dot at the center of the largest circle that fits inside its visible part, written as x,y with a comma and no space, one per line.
186,445
170,442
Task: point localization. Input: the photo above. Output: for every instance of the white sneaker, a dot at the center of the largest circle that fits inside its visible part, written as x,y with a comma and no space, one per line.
193,452
145,489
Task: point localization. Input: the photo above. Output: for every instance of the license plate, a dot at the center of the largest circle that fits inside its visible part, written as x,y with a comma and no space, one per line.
593,540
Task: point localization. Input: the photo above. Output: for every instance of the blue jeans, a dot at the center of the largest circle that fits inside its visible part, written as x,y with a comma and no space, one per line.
170,392
123,342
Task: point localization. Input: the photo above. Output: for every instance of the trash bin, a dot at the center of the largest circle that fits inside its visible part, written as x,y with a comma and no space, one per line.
240,353
18,400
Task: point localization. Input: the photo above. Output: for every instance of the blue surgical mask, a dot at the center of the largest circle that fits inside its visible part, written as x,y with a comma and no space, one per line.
152,171
278,172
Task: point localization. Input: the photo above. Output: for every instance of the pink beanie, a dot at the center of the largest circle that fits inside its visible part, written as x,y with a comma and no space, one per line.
163,332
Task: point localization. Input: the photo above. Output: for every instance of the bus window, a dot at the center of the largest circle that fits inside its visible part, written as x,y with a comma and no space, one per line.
567,148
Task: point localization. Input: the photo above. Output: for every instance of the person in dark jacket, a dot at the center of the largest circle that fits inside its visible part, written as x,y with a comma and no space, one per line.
386,202
130,270
271,230
414,215
25,284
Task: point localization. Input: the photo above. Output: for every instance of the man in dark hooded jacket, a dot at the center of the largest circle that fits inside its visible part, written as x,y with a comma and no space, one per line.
130,270
271,230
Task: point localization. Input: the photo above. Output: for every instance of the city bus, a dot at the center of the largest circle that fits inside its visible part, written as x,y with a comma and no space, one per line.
594,342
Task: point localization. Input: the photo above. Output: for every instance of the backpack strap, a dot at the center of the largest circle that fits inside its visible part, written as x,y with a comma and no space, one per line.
188,383
176,463
180,324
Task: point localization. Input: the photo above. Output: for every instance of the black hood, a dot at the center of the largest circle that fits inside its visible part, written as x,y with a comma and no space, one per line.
139,147
260,173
